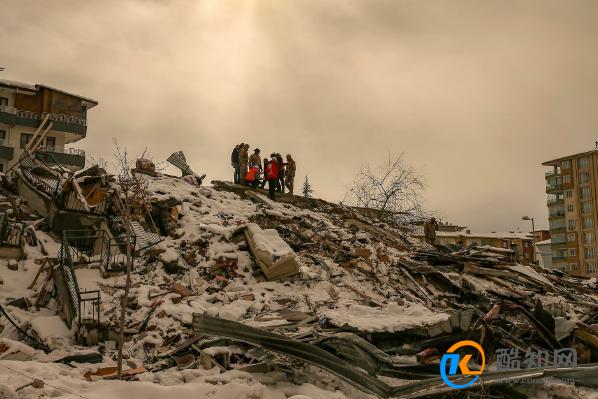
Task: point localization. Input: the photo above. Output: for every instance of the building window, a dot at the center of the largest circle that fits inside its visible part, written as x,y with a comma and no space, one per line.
573,266
571,237
566,179
556,224
591,267
2,135
571,223
569,194
570,208
589,252
566,164
586,207
572,252
588,237
585,192
584,177
582,163
564,268
588,223
51,144
3,101
25,138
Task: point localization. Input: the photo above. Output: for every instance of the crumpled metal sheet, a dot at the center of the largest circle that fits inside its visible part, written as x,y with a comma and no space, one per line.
215,326
585,375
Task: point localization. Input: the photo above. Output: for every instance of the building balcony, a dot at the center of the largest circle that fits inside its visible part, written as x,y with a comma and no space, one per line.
550,173
554,188
557,229
556,215
60,122
71,158
553,201
7,151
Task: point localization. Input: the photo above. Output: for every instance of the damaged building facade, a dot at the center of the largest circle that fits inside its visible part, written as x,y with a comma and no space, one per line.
44,116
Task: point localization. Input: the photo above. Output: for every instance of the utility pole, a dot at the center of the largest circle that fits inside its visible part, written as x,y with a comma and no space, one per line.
533,237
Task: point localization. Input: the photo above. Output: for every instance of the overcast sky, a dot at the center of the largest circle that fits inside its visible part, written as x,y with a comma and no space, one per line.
476,93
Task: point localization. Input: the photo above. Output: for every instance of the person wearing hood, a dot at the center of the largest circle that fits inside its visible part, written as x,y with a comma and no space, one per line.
271,175
290,173
243,162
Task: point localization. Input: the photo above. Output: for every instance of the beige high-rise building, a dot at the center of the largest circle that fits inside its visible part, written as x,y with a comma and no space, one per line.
572,191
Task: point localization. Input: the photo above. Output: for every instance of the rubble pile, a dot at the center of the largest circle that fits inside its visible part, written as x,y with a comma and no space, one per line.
293,293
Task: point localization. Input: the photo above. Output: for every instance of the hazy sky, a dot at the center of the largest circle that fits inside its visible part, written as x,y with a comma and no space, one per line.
476,93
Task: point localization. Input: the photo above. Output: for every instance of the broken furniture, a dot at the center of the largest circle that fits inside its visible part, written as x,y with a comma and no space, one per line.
272,254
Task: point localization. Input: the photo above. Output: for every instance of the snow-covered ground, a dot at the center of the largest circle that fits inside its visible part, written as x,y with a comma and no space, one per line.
207,222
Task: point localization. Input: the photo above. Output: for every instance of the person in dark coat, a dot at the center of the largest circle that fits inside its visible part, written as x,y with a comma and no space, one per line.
281,172
234,160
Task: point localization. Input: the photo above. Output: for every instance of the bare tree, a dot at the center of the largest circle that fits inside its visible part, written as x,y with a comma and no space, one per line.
393,189
132,204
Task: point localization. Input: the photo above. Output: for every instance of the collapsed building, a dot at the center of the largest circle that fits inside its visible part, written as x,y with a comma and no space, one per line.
231,288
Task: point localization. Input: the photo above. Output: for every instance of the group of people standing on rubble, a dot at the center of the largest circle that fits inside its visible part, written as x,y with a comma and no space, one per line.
250,170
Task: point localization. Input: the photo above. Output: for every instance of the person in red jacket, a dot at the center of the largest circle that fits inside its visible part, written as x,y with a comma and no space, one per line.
271,175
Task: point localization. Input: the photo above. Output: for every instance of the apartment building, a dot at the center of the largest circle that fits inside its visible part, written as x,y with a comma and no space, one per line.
45,116
572,202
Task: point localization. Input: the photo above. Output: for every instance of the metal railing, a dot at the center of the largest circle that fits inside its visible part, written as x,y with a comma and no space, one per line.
48,185
84,305
11,330
89,307
21,113
64,150
6,143
87,247
65,268
8,110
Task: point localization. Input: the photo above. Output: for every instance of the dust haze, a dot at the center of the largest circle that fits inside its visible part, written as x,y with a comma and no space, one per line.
476,93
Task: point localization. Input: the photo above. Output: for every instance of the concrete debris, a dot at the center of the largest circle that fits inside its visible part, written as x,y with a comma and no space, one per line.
229,282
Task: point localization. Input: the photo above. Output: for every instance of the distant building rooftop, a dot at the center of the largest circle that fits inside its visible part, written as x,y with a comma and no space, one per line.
559,160
25,88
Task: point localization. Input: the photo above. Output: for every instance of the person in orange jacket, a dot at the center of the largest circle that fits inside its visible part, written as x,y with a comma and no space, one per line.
252,177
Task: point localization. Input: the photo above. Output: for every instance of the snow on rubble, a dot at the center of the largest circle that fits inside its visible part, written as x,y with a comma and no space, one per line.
344,274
